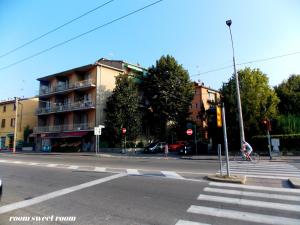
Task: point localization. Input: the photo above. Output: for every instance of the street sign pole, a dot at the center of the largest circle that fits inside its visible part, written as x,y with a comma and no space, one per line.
196,140
225,140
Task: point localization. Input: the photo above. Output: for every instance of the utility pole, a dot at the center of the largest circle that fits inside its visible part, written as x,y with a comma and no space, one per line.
238,97
16,124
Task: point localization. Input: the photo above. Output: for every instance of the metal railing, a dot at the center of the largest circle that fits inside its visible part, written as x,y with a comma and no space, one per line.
80,105
67,86
64,127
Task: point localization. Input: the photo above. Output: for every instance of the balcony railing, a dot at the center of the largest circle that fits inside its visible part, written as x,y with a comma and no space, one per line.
67,87
81,105
65,128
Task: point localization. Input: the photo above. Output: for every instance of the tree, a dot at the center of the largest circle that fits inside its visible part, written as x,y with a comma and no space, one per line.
289,94
168,92
123,110
258,100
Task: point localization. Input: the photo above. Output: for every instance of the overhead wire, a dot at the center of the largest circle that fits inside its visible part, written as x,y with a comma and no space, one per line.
248,62
55,29
80,35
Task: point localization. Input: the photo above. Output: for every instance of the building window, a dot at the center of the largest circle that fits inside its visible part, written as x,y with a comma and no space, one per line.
4,108
3,123
14,106
196,105
211,96
12,122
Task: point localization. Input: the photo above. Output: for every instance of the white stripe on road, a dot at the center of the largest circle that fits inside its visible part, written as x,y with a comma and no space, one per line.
51,165
253,194
250,187
73,167
274,174
33,164
100,169
246,202
17,162
263,171
133,172
185,222
42,198
267,177
171,174
262,166
3,160
244,216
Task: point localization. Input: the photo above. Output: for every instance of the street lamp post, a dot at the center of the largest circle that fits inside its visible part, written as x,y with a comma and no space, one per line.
16,124
241,124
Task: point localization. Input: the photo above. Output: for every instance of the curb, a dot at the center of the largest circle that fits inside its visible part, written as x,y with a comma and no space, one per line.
232,179
295,182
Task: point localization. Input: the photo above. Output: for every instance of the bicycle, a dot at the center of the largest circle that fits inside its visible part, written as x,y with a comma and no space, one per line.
240,156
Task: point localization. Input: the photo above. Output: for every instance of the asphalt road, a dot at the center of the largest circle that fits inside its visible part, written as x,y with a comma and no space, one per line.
69,190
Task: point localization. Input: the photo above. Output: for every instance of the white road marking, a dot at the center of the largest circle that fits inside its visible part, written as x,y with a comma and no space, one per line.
3,160
100,169
263,174
246,202
42,198
261,188
73,167
16,162
132,171
51,165
171,174
185,222
264,169
253,194
244,216
33,164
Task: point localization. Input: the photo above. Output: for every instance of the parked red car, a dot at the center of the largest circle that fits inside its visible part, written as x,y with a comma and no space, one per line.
176,146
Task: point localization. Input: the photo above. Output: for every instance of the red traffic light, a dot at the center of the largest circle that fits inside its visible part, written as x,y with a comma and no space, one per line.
266,124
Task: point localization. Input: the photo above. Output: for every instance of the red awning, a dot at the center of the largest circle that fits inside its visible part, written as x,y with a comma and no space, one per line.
73,134
65,134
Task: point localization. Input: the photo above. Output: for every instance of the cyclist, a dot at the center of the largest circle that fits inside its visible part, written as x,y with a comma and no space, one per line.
246,150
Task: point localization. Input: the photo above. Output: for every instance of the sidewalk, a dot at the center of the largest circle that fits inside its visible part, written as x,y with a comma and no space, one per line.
139,154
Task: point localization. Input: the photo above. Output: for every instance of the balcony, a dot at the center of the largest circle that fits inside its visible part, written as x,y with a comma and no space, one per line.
67,87
81,105
65,128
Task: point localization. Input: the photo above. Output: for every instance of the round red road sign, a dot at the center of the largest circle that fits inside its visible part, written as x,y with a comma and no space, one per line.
189,131
123,130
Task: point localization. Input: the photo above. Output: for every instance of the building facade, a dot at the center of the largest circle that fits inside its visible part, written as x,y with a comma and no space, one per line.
72,103
204,99
26,118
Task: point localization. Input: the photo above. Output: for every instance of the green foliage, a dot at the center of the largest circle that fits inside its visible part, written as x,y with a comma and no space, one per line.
168,92
289,94
140,145
287,124
122,110
288,143
27,131
258,100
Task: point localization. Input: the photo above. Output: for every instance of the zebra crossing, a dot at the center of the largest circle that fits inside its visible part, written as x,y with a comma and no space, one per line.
129,171
263,169
227,203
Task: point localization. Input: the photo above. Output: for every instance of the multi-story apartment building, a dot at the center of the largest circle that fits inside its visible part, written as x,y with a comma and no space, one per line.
26,117
72,102
204,98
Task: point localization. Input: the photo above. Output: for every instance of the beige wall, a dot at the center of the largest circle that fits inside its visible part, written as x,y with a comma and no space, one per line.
106,78
26,116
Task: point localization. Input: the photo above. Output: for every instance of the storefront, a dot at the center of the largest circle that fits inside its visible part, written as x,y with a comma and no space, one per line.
66,141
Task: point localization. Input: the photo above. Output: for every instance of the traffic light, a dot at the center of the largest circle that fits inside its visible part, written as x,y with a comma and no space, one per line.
219,116
266,124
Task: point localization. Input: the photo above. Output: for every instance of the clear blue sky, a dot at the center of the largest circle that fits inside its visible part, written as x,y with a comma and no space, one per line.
193,31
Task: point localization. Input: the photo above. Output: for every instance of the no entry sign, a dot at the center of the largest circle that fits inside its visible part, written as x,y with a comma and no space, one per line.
189,131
